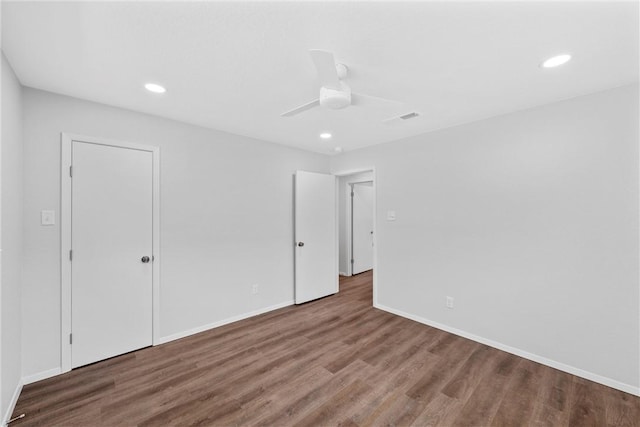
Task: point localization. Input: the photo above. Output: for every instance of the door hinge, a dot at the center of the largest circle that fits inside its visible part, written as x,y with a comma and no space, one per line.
71,171
352,194
70,255
351,261
70,338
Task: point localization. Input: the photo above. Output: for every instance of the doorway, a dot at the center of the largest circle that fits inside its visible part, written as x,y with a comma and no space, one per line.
109,214
357,228
356,218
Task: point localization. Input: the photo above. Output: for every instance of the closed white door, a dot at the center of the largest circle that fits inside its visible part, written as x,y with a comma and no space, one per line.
362,227
111,242
316,269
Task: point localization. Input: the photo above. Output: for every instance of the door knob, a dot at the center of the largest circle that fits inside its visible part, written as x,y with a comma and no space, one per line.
145,259
301,244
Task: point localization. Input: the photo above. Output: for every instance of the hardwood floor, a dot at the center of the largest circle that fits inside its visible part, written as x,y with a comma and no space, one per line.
335,361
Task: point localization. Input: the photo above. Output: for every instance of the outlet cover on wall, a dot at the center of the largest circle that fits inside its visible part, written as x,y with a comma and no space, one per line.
449,302
391,215
48,217
254,288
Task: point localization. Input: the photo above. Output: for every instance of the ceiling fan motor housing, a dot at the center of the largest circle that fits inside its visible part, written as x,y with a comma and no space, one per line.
335,99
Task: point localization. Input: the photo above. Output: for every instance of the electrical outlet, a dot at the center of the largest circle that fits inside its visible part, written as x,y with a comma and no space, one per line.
449,302
254,289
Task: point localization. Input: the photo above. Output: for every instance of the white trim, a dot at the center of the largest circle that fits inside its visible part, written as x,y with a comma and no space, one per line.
342,273
156,258
162,340
12,403
375,237
518,352
348,233
639,258
65,247
336,222
223,322
66,140
39,376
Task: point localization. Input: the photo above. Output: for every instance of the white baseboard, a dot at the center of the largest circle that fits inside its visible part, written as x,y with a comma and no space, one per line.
518,352
41,375
57,371
12,403
342,273
223,322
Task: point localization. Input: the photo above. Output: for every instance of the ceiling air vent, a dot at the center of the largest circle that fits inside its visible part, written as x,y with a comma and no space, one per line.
401,118
409,115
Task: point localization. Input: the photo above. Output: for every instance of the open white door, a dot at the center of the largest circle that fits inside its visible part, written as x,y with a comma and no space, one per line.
362,227
112,244
316,271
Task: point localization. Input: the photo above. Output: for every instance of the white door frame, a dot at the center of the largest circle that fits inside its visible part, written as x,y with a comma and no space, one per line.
66,140
349,225
375,225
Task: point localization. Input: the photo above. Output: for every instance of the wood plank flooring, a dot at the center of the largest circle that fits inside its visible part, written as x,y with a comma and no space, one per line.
334,361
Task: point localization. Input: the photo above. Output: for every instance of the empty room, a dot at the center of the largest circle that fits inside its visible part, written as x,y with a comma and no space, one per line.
320,213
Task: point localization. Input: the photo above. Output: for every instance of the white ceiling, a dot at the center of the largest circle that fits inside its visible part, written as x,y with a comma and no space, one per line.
235,66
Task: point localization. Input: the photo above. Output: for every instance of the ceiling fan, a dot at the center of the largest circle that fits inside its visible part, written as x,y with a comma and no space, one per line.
334,92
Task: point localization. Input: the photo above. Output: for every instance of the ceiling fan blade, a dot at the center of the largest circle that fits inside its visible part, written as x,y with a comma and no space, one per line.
326,66
301,108
360,99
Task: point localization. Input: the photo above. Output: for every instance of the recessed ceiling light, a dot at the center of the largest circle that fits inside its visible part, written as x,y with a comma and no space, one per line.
325,135
338,149
556,61
155,88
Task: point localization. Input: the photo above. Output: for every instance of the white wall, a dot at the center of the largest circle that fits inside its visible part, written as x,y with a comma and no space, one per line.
225,218
11,226
344,200
530,221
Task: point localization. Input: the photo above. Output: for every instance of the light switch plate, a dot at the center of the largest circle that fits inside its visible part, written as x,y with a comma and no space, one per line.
391,215
48,217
